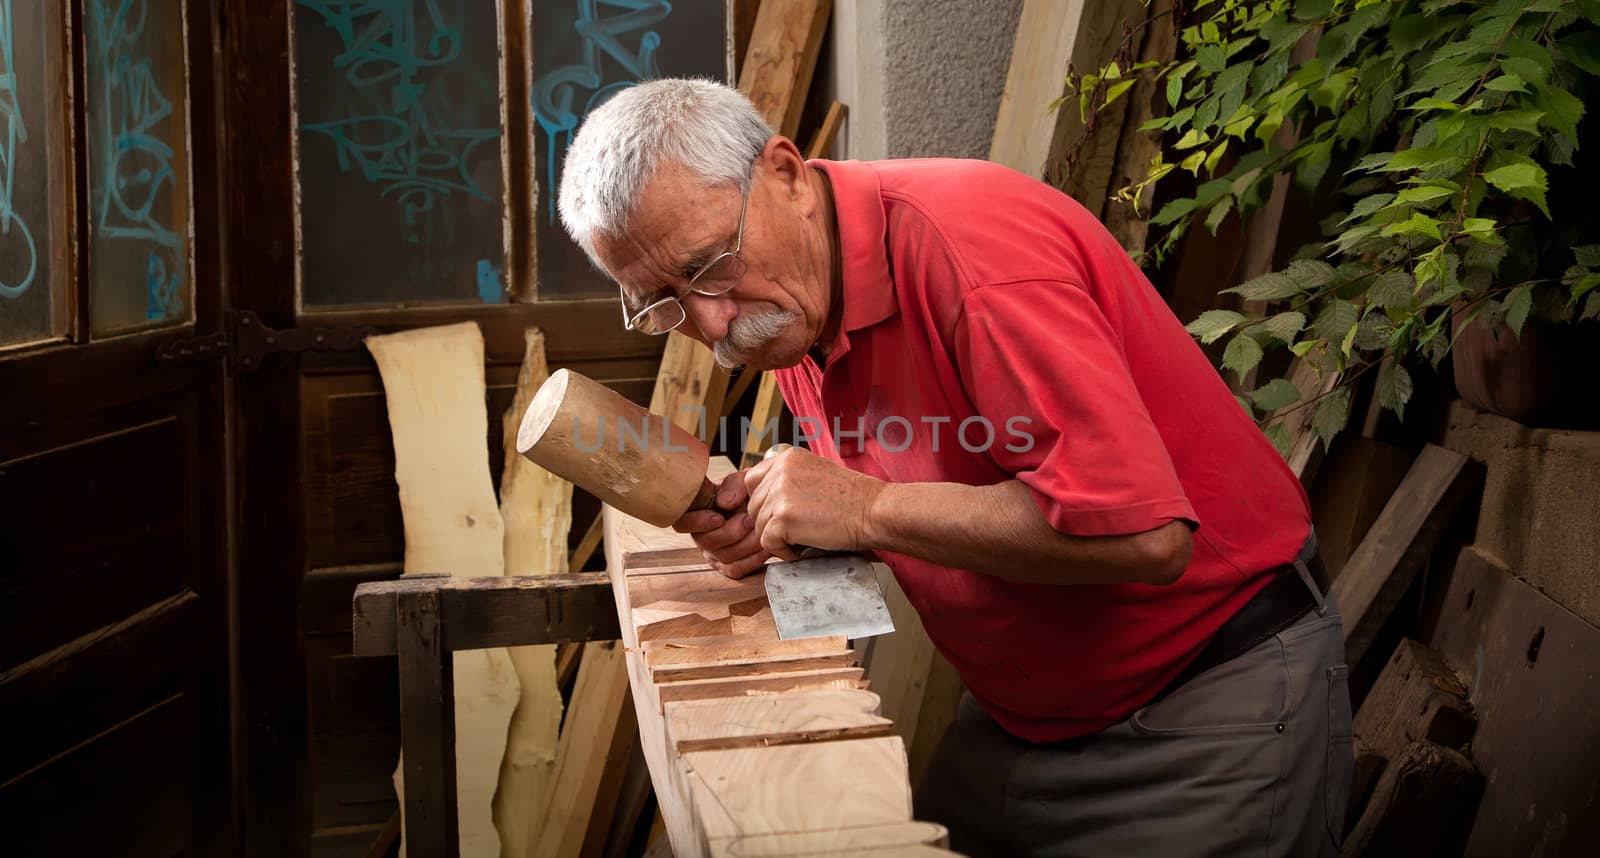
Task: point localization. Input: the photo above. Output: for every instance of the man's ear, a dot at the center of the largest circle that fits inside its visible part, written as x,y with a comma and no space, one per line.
783,161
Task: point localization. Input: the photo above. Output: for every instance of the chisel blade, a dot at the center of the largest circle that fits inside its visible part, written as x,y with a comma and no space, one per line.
824,596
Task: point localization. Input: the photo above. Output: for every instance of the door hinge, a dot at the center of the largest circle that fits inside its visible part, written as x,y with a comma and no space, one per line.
246,341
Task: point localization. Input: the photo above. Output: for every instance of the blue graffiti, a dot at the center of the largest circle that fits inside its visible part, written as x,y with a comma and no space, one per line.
135,163
556,95
12,227
490,289
402,147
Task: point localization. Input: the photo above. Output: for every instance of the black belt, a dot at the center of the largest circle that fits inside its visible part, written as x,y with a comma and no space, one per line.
1285,599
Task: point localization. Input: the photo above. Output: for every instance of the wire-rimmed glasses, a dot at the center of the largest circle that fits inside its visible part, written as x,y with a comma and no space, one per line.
714,278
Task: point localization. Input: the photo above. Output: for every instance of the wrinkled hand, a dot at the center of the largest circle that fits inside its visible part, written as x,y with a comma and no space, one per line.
797,498
727,534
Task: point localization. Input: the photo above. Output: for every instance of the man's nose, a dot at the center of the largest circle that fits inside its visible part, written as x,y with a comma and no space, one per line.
710,314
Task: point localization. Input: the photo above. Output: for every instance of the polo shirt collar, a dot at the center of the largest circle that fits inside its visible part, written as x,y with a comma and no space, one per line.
867,291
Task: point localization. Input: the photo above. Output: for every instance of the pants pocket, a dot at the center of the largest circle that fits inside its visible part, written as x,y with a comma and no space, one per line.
1341,753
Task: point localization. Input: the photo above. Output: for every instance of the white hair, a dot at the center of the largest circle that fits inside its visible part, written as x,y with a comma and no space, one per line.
707,127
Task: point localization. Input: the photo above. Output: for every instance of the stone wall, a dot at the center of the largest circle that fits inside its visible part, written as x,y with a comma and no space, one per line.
1540,516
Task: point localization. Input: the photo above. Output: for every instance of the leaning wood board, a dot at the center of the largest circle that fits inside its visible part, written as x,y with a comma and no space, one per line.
1530,669
1395,549
756,746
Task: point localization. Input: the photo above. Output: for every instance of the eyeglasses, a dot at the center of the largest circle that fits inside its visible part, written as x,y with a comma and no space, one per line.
714,278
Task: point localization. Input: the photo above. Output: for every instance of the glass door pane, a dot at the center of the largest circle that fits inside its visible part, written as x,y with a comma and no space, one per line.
397,104
32,186
138,165
584,52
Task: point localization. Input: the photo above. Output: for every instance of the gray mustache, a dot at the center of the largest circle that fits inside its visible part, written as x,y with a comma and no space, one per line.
749,333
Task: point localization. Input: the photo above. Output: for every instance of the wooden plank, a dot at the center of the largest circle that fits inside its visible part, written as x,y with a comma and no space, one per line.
1416,698
434,392
689,386
1047,33
1530,671
782,56
760,791
428,711
940,701
1136,149
669,654
767,409
1438,485
911,839
735,686
900,661
586,546
1083,153
786,719
492,612
1423,805
822,143
756,666
672,791
585,749
536,506
1350,492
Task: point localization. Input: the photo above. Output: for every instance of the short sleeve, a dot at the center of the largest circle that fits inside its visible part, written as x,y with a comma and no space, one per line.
1044,367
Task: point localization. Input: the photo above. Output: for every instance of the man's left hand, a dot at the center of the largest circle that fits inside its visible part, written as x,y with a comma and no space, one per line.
797,498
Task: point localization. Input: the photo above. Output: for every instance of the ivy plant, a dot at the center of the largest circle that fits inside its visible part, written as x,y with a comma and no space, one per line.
1431,130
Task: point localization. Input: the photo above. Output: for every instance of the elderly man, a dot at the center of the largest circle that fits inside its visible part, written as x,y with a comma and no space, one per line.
1093,532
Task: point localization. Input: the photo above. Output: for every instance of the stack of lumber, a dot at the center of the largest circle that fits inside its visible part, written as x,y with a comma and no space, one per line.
756,746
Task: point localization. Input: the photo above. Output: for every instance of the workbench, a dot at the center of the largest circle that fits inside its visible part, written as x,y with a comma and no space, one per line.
423,619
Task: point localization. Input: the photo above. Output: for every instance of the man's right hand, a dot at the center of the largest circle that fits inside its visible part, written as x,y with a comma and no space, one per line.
726,534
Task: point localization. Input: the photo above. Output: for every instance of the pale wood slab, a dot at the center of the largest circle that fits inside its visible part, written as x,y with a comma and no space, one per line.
779,719
434,390
536,506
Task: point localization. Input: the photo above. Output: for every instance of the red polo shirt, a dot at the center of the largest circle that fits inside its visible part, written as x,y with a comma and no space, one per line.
994,330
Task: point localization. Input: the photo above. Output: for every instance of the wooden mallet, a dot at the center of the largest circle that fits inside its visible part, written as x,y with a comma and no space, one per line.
639,463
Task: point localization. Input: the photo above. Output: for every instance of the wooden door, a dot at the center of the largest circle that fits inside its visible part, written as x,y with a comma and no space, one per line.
113,596
383,171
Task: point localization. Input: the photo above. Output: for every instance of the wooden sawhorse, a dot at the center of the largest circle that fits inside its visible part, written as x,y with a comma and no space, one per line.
424,619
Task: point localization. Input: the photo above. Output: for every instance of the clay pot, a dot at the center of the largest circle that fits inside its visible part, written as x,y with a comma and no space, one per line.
1541,379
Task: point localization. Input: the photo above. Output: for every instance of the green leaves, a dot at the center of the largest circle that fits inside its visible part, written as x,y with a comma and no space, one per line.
1271,286
1330,415
1394,387
1418,224
1275,394
1517,304
1391,289
1284,326
1582,49
1242,354
1335,320
1212,324
1310,274
1562,110
1523,179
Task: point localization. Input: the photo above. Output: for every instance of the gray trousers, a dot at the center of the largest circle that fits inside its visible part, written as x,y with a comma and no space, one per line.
1252,757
